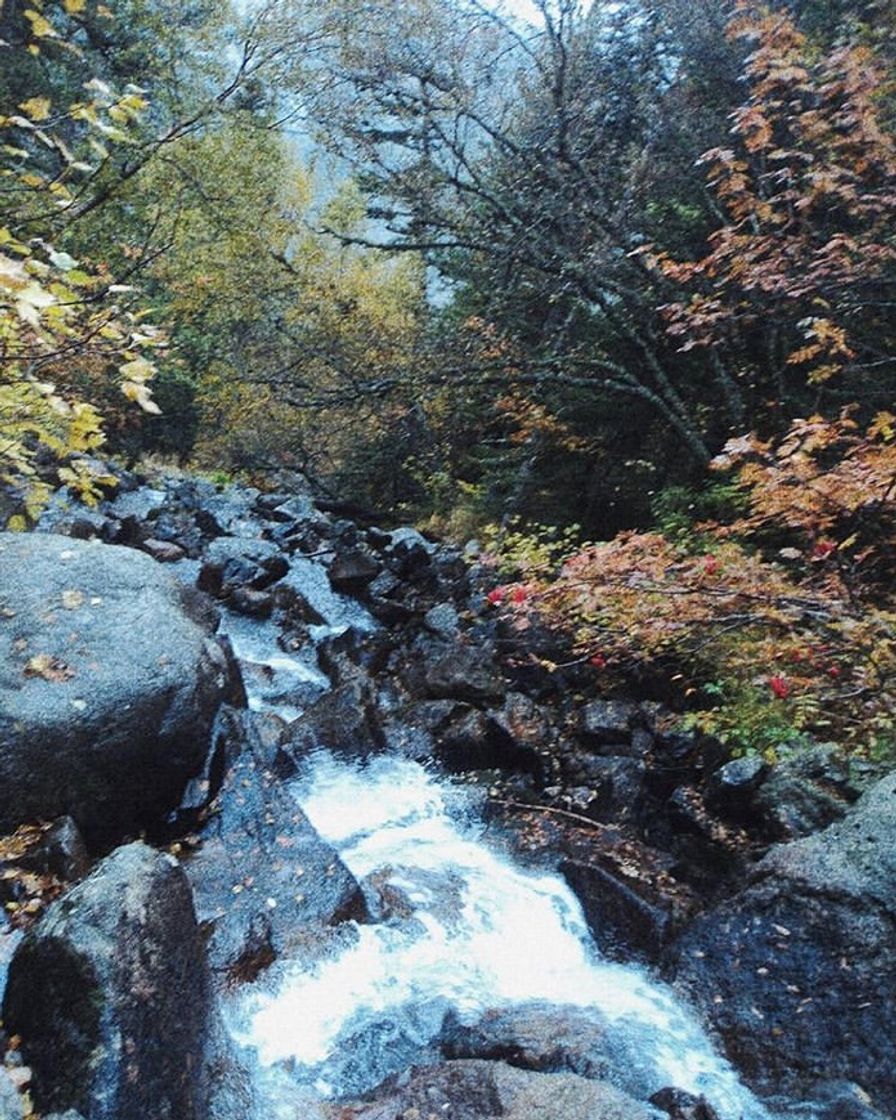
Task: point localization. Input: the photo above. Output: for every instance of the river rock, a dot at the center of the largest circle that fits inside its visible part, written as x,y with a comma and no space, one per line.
108,689
241,562
165,552
680,1105
352,571
462,673
480,1090
177,528
732,787
831,1100
550,1038
345,720
12,1104
111,996
469,739
798,971
608,721
263,880
140,505
631,901
256,604
406,551
443,621
807,792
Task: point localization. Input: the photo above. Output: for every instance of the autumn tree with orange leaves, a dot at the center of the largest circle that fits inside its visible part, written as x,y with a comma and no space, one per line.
798,288
779,624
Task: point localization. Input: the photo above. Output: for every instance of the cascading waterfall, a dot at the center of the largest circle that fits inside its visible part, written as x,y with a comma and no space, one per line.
477,932
468,931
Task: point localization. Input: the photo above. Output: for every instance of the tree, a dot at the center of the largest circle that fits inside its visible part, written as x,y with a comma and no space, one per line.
102,176
796,290
58,316
522,163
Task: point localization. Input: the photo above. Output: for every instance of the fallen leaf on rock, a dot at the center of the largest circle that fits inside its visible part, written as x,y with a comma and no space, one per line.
49,668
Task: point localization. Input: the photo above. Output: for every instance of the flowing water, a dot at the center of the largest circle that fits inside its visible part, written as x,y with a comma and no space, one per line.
469,930
477,933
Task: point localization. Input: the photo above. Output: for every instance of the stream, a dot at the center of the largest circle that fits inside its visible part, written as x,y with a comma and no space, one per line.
468,931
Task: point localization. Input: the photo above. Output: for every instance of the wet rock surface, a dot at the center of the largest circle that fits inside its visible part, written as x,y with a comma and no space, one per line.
263,880
111,996
683,1106
479,1090
108,688
797,972
547,1038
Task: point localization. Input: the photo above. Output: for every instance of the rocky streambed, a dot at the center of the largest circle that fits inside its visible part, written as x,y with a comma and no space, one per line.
297,830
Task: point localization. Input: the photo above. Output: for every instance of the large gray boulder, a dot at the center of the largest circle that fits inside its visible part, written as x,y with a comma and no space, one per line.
798,971
551,1038
264,882
111,995
108,688
478,1090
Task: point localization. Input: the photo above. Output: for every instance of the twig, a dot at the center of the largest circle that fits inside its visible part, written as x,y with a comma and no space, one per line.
596,825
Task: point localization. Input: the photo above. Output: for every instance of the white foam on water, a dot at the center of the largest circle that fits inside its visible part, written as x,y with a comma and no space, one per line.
275,681
485,934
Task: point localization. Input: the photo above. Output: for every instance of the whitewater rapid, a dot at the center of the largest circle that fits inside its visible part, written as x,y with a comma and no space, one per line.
475,932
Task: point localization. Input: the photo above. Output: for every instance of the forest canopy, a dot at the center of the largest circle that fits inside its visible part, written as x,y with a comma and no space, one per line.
630,267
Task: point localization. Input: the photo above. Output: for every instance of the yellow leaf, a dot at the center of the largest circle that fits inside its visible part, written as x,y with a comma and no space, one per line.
40,27
49,668
73,6
37,108
139,370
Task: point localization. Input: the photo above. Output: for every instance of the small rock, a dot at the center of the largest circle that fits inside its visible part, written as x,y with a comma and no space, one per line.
408,552
442,620
472,740
464,673
166,552
345,720
177,528
256,604
233,562
353,571
731,788
683,1106
385,585
61,852
607,721
641,743
619,783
